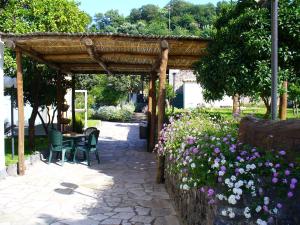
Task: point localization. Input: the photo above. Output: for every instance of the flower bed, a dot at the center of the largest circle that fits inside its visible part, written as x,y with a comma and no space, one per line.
241,182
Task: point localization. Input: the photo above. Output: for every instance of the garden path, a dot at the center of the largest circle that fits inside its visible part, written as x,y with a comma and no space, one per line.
121,190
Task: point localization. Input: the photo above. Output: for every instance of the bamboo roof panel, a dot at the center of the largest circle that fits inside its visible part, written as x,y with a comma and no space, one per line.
121,53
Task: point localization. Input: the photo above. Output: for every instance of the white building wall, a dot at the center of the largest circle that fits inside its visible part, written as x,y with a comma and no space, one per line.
2,147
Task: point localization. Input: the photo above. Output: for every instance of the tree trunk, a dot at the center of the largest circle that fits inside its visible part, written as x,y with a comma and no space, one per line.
35,108
43,123
267,105
283,102
235,104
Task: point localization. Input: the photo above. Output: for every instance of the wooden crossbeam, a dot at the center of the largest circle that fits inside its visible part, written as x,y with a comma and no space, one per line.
93,54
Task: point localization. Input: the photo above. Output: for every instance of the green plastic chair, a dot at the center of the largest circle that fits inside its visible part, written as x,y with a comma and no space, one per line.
57,144
90,146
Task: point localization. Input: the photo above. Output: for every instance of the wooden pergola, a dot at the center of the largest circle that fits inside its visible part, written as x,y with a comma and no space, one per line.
113,54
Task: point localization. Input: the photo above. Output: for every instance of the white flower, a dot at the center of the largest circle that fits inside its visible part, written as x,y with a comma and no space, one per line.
266,200
258,208
230,165
253,194
241,170
221,173
185,187
237,197
231,215
227,181
224,213
233,178
223,161
253,166
232,200
237,191
215,165
261,222
239,184
273,170
250,183
220,196
247,213
275,210
193,165
184,179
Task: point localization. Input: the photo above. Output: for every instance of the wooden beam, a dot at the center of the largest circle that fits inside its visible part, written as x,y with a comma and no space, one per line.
73,103
20,99
93,54
164,47
152,111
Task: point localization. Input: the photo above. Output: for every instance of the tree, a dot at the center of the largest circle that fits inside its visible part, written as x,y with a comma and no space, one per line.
24,16
239,55
109,21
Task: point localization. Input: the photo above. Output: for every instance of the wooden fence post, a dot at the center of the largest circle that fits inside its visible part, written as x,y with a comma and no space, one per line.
152,111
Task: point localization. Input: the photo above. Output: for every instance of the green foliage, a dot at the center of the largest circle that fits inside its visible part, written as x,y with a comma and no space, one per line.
239,56
79,124
186,19
115,113
108,90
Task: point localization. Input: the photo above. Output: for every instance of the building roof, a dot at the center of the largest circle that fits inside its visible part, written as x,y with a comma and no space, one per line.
98,52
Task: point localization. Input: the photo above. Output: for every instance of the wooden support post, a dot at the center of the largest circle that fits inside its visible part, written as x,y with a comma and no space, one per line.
73,103
164,47
20,99
59,100
152,112
283,101
2,137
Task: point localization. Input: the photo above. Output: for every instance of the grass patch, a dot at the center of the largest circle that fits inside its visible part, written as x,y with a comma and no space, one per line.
41,143
258,112
93,123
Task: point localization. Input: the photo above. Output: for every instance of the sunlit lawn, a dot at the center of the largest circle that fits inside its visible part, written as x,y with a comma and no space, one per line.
93,123
41,143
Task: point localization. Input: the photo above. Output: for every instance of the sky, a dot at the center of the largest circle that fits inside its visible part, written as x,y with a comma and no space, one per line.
125,6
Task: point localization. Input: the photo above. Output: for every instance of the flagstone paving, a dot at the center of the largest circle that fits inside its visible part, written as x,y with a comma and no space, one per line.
119,191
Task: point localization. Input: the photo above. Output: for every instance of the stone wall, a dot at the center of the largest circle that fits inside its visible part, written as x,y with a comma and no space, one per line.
267,134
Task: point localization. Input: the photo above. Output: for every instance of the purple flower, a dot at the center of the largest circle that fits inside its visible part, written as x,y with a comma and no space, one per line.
294,181
195,150
274,180
265,208
202,189
282,152
277,165
290,194
217,150
279,205
223,168
292,186
190,140
210,192
211,201
225,139
291,165
275,174
287,172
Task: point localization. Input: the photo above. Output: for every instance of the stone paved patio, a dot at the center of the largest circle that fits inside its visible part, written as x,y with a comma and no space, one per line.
121,190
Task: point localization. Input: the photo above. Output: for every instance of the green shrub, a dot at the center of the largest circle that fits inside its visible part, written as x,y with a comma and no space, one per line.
115,113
